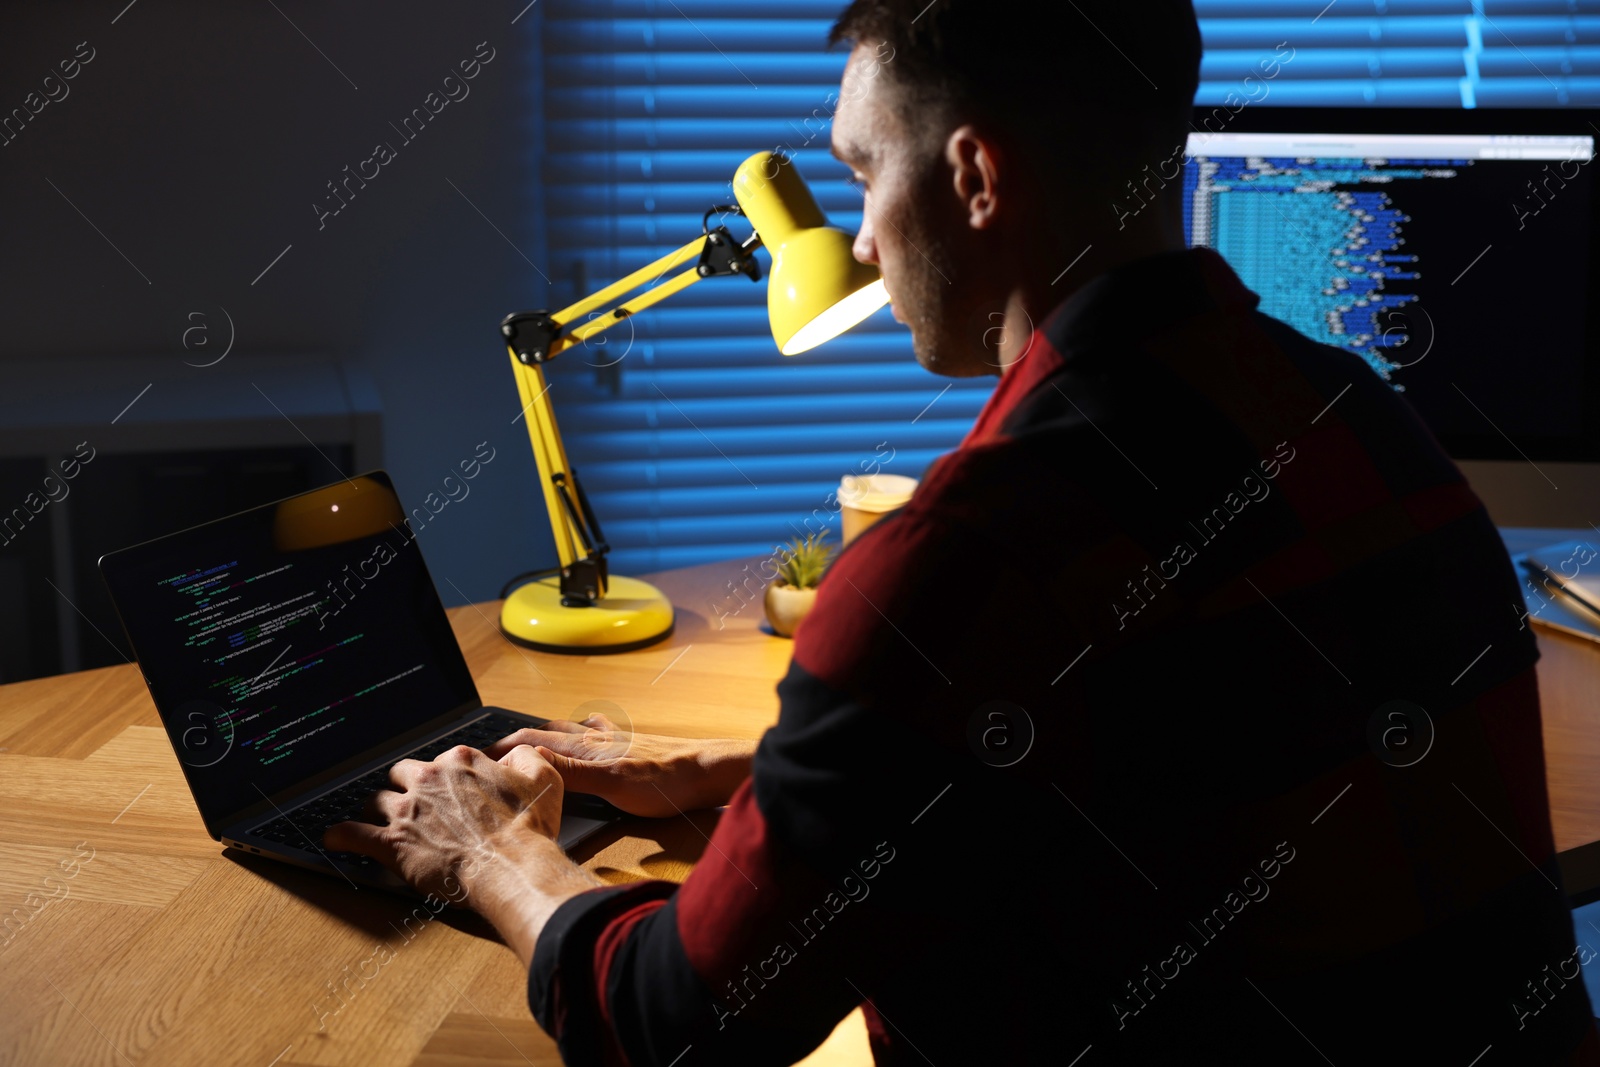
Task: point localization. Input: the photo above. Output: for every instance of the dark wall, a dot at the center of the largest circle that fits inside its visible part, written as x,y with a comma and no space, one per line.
196,141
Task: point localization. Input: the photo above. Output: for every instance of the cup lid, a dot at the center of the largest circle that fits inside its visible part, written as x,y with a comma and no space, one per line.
875,492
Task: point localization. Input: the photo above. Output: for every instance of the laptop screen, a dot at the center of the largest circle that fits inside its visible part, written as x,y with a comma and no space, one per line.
282,641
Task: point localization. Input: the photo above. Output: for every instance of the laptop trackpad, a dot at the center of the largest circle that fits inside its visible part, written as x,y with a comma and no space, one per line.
575,828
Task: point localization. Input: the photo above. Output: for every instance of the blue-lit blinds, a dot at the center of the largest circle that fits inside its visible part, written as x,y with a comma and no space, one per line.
713,445
1405,53
695,439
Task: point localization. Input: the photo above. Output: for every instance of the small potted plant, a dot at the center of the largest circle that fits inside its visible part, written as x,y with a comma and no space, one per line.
790,595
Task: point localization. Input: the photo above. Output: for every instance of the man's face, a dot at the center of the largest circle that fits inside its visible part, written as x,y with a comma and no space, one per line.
913,226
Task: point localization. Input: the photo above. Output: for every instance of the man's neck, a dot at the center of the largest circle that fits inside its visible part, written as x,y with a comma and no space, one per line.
1051,277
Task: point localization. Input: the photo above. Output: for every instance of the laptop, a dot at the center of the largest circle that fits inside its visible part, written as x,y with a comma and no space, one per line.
296,651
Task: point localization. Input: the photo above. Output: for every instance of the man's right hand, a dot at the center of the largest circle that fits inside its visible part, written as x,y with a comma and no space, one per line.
643,774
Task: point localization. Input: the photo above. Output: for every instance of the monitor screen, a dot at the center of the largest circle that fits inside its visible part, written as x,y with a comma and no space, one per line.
1451,251
283,641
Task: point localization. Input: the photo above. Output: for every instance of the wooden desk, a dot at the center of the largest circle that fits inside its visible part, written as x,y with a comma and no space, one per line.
160,950
1569,700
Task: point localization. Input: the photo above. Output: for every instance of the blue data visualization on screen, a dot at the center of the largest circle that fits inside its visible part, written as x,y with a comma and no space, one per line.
1450,263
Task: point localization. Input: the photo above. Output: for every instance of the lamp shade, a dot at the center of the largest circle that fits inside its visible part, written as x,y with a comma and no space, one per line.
817,289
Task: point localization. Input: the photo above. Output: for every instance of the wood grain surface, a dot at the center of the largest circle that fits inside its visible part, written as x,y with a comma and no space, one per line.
133,938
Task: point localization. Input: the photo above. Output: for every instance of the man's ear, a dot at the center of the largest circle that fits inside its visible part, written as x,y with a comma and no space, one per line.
975,164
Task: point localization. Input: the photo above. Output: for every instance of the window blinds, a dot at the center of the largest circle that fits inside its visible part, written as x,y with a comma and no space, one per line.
694,438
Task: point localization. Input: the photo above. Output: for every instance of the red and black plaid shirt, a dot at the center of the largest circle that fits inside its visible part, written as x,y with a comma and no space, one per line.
1186,712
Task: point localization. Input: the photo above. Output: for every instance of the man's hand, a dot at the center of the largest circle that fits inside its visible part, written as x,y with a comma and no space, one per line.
445,816
468,827
643,774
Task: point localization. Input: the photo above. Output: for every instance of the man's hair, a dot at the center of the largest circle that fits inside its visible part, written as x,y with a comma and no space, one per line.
1115,77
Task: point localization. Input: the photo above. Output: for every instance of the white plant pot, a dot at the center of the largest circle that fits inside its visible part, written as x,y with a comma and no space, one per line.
787,607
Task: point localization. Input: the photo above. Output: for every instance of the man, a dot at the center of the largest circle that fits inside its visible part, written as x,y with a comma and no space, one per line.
1142,733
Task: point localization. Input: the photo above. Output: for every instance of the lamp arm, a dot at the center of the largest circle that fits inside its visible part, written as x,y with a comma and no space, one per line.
627,284
540,336
600,323
719,255
534,338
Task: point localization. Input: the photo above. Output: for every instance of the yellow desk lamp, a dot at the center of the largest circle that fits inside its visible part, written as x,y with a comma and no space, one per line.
817,291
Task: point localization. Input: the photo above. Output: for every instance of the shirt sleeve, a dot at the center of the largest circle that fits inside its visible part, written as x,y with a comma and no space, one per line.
757,956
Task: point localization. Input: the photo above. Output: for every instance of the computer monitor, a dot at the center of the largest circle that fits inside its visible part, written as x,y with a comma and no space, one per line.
1453,251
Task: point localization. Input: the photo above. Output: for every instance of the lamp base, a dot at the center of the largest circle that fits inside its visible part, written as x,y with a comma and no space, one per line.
632,614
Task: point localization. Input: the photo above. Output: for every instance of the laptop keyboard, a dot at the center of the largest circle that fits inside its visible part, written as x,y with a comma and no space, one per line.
303,826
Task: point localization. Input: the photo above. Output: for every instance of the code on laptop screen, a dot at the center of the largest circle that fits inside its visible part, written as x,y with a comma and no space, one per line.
287,639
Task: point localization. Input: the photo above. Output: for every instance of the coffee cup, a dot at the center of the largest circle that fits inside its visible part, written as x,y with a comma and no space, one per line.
866,498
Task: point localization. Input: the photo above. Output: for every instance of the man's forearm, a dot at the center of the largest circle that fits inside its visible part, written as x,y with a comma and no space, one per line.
525,876
520,884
